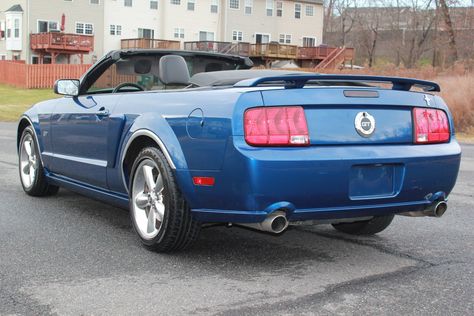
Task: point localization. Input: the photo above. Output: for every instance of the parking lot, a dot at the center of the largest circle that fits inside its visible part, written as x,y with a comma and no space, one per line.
71,255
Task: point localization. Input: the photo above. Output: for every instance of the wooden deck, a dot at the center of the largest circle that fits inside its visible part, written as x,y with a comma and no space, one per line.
62,42
150,43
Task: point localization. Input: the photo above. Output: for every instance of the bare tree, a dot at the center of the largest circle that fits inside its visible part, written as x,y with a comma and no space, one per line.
346,10
453,52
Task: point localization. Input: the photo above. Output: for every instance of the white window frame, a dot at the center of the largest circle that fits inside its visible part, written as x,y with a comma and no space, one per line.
285,38
154,1
207,33
248,5
193,5
98,2
312,37
299,11
3,27
234,2
214,4
3,55
128,1
178,31
269,37
175,2
48,29
279,9
308,6
84,28
236,34
144,28
270,6
116,29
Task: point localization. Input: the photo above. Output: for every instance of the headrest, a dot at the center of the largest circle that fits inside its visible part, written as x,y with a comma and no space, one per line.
173,70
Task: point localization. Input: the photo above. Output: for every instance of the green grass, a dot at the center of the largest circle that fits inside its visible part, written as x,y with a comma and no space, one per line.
14,101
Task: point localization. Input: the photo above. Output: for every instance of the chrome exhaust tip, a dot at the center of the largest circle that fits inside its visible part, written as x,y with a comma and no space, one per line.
275,223
439,208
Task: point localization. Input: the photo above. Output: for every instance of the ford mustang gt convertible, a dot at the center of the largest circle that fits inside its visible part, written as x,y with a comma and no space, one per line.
185,140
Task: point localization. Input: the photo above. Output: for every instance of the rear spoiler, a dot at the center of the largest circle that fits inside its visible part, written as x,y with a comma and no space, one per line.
299,81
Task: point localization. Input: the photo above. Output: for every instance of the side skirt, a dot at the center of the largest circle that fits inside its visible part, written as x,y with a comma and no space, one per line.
114,198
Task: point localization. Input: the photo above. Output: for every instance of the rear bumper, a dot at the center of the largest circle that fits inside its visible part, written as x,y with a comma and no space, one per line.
319,182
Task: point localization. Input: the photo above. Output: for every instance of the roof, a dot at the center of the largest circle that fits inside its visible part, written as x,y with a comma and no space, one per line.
15,8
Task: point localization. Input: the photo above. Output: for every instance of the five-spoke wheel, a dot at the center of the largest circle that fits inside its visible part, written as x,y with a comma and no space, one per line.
32,174
159,213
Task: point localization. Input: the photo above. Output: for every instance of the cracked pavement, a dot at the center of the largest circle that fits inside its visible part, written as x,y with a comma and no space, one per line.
71,255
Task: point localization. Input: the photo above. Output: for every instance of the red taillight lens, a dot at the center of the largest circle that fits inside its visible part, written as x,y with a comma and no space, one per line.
276,126
431,126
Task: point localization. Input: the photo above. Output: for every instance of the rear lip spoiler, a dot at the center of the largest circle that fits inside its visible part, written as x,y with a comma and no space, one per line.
299,81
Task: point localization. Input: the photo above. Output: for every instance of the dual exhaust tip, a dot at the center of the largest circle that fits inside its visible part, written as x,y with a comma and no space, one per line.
277,222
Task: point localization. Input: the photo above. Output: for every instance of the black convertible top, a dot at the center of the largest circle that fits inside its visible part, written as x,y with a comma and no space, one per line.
231,77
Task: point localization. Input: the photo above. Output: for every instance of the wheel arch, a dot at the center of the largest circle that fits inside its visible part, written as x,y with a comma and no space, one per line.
136,142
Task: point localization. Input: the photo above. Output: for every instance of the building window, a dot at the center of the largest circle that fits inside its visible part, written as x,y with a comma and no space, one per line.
115,29
177,2
237,36
84,28
234,4
178,33
146,33
309,10
309,41
269,7
214,6
285,39
47,26
191,5
248,6
94,1
297,11
154,5
17,28
279,8
128,3
2,30
206,36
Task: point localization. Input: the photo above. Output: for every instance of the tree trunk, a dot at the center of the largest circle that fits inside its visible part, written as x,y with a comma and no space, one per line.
453,51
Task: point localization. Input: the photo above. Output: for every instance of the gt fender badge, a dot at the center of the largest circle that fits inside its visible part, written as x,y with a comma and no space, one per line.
364,124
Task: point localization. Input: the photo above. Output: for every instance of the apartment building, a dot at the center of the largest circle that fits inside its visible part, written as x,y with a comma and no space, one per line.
21,18
100,25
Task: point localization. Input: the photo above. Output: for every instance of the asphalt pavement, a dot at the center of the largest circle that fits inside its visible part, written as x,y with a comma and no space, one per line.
71,255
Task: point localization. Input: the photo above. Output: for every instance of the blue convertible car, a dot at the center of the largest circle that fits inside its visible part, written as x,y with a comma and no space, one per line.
256,148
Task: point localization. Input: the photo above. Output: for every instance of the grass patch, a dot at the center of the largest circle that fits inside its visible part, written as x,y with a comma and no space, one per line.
14,101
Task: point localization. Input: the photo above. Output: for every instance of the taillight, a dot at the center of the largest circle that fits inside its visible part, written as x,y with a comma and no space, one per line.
431,126
276,126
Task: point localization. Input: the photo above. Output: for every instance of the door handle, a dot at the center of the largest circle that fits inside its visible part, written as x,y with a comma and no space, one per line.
103,112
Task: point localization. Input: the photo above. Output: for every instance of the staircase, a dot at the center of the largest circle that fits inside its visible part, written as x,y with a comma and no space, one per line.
334,59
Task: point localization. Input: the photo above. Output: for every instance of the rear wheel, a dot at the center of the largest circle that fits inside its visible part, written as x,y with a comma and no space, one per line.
159,213
31,170
370,227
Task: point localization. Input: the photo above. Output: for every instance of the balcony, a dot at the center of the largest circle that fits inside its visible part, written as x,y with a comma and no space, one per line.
273,51
322,52
131,43
62,43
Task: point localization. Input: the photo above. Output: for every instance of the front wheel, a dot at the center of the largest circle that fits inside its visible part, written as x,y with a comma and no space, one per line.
159,213
370,227
32,176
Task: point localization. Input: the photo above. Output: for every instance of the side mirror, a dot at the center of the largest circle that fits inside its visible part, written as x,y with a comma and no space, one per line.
68,87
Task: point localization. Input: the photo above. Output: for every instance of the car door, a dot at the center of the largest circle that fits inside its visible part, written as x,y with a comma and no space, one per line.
79,137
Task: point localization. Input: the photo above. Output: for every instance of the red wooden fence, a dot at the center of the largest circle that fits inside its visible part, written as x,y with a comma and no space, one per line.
38,76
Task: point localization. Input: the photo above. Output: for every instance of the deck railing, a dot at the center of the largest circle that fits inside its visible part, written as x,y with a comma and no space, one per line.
56,41
151,43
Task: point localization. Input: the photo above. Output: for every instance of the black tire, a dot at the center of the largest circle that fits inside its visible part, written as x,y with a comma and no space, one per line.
40,185
178,230
370,227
